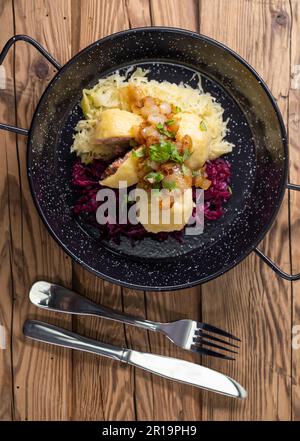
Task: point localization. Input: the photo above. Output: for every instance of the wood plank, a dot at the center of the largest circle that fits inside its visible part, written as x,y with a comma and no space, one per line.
134,302
99,381
139,13
172,400
42,374
250,300
294,146
175,13
7,142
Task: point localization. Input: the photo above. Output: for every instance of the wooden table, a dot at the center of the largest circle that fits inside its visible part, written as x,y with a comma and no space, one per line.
38,382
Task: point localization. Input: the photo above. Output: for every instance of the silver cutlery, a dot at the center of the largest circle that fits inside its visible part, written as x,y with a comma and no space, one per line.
188,334
171,368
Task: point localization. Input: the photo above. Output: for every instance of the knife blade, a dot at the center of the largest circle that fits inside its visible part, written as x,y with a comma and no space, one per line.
187,372
168,367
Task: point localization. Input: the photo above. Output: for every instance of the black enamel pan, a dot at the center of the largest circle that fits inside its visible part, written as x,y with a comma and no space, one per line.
259,160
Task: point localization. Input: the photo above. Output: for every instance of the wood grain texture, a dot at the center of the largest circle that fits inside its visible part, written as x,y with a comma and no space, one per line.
134,302
175,13
138,13
253,303
98,381
294,142
7,142
42,375
54,384
173,401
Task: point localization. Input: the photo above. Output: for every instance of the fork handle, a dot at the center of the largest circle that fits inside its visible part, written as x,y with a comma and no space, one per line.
108,313
57,298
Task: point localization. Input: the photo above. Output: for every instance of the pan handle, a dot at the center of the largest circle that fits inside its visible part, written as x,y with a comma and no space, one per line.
3,54
268,261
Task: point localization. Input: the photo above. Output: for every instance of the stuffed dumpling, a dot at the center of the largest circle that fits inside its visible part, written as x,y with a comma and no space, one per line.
170,212
190,124
116,126
122,169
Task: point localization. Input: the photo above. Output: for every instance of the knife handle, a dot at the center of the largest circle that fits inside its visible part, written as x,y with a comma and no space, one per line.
61,337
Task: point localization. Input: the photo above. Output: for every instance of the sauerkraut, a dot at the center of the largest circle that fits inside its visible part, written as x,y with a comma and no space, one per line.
108,93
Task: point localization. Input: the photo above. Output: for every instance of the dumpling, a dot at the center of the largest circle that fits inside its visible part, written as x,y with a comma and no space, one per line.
217,150
122,169
189,124
179,213
115,126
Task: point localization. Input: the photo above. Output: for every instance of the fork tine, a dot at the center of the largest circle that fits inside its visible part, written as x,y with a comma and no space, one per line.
212,337
202,341
205,351
211,328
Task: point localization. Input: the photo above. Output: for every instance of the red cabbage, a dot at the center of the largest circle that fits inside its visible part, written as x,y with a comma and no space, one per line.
219,173
85,179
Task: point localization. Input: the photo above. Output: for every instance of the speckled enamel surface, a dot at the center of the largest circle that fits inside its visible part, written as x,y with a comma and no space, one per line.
259,160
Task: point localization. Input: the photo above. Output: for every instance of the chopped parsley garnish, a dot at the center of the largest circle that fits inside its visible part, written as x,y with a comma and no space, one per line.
185,170
175,156
160,152
177,109
169,185
186,155
154,177
170,122
163,131
166,151
139,153
156,186
203,126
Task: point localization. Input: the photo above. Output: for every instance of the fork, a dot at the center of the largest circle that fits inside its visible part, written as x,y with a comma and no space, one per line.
188,334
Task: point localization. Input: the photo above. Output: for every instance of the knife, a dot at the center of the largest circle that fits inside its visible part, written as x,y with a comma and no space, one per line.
171,368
